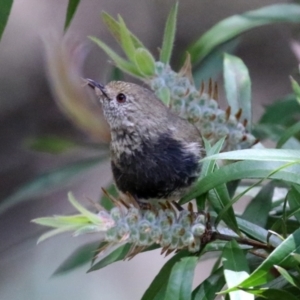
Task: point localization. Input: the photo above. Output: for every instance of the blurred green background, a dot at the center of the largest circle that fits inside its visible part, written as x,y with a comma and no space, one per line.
28,111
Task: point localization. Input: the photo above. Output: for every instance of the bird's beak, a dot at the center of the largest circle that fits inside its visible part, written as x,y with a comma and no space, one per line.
99,88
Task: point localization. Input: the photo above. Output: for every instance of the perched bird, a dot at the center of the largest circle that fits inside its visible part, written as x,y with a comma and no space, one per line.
154,153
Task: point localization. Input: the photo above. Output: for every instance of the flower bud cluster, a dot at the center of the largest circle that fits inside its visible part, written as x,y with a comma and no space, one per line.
200,109
171,230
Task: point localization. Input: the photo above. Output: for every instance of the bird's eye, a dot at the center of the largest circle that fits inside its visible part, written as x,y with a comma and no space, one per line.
121,98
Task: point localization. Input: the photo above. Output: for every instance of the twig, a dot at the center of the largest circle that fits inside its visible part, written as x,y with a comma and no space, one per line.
244,241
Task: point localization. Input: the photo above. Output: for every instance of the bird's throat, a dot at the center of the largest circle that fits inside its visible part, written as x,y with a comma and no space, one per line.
125,141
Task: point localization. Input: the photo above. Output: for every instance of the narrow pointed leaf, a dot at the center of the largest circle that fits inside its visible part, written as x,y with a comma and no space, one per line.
164,95
181,279
71,10
233,26
89,215
50,144
54,232
48,182
120,62
273,294
145,62
238,87
293,198
212,65
280,256
4,14
288,133
296,89
126,40
258,209
105,201
274,133
208,166
296,257
116,255
157,288
79,257
293,280
169,35
59,221
243,170
114,27
235,269
259,154
210,286
288,107
257,232
219,199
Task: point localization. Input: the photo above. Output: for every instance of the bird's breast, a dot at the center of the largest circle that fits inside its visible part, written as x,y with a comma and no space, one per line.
154,168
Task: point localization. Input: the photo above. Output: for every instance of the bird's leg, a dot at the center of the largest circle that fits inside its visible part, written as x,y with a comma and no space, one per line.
177,206
142,205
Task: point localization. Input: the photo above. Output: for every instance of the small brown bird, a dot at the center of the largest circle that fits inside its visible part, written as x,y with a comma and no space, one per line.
154,153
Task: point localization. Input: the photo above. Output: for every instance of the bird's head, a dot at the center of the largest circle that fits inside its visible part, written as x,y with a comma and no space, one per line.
129,105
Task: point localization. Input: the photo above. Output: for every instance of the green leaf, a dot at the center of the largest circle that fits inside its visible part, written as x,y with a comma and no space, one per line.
219,199
72,7
145,62
169,35
164,95
116,255
115,28
120,62
258,209
296,257
285,155
233,26
157,288
293,198
119,254
273,294
288,133
235,269
218,245
50,144
105,201
116,74
54,232
93,218
126,41
287,107
48,182
79,257
275,132
212,65
243,170
296,88
257,232
280,256
181,279
238,87
60,221
288,225
293,280
4,14
208,166
210,286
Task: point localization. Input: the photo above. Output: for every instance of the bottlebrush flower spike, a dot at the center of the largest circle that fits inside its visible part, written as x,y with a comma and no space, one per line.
201,108
126,223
